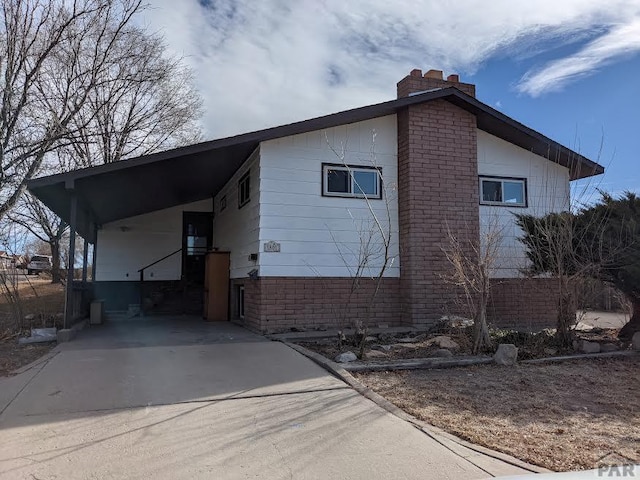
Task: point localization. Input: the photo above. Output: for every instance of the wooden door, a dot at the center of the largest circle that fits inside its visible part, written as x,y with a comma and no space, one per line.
216,287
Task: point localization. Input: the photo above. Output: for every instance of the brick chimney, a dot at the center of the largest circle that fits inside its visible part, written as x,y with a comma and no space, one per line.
437,194
416,82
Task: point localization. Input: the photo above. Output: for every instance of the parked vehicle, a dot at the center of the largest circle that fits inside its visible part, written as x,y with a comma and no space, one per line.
39,263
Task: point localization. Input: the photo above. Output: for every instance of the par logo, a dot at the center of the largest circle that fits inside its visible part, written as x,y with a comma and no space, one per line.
614,465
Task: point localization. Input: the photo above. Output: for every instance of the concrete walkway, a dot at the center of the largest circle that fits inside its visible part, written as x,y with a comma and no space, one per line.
178,398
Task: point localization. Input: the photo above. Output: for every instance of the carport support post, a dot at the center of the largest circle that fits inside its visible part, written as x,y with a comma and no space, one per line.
85,260
93,255
73,214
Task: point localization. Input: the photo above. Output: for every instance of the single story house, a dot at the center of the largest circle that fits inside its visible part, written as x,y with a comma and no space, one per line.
284,214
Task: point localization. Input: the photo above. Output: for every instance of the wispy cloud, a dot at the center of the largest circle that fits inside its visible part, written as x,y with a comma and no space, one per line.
620,41
261,63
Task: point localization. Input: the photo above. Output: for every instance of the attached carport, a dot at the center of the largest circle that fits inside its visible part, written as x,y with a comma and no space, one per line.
89,198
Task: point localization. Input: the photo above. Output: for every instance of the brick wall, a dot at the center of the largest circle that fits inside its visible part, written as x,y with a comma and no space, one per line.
437,192
526,303
278,303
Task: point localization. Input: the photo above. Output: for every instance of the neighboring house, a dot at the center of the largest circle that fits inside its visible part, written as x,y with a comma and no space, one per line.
6,260
281,202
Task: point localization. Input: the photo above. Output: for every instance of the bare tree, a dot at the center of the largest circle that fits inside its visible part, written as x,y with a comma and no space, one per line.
112,90
146,102
373,256
45,225
53,55
473,263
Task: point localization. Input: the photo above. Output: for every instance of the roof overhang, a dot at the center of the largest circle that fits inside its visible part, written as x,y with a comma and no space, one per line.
141,185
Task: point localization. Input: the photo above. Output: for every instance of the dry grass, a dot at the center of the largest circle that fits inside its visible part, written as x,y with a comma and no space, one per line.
44,300
14,356
39,297
561,416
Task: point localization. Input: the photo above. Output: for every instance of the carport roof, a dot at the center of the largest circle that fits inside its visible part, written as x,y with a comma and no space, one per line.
196,172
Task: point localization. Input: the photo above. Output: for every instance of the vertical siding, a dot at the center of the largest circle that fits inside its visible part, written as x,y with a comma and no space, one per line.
236,229
127,245
547,191
319,235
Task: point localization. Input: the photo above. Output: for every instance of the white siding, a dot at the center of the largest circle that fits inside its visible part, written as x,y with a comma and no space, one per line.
127,245
319,235
547,191
235,229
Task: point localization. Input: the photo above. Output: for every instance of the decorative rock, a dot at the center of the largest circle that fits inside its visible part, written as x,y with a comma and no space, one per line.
635,341
384,348
406,340
346,357
456,321
39,335
442,353
507,354
608,347
298,329
589,347
370,339
446,342
30,317
376,354
550,351
386,337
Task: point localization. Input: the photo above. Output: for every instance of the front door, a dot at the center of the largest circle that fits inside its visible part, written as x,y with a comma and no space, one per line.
197,239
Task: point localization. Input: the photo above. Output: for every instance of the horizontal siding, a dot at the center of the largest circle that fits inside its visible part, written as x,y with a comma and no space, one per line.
235,229
125,246
320,235
547,191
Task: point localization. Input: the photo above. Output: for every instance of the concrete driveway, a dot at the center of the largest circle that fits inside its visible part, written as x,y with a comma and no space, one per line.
178,398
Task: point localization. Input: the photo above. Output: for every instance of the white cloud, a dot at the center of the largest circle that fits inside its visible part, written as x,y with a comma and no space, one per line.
264,63
620,41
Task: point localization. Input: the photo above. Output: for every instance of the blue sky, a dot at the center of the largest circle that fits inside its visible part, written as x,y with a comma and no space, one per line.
569,69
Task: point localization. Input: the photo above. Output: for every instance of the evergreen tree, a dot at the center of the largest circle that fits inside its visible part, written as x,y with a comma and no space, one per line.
601,241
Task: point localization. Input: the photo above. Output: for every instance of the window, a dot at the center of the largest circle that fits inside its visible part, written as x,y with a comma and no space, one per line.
351,181
223,203
244,190
503,191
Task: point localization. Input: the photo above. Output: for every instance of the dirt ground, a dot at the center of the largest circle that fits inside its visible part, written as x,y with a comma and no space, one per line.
43,300
560,416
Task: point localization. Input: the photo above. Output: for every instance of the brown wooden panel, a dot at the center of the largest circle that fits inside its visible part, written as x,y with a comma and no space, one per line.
216,287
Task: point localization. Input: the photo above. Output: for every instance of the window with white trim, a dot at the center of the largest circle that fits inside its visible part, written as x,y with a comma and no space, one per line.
511,192
351,181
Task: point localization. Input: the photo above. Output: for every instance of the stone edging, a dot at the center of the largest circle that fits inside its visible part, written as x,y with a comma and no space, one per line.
434,362
434,432
580,356
416,363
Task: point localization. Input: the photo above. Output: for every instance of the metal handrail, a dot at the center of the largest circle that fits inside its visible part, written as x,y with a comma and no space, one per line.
159,260
141,271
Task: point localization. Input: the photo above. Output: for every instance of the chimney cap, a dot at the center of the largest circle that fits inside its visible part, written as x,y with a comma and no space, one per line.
437,74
